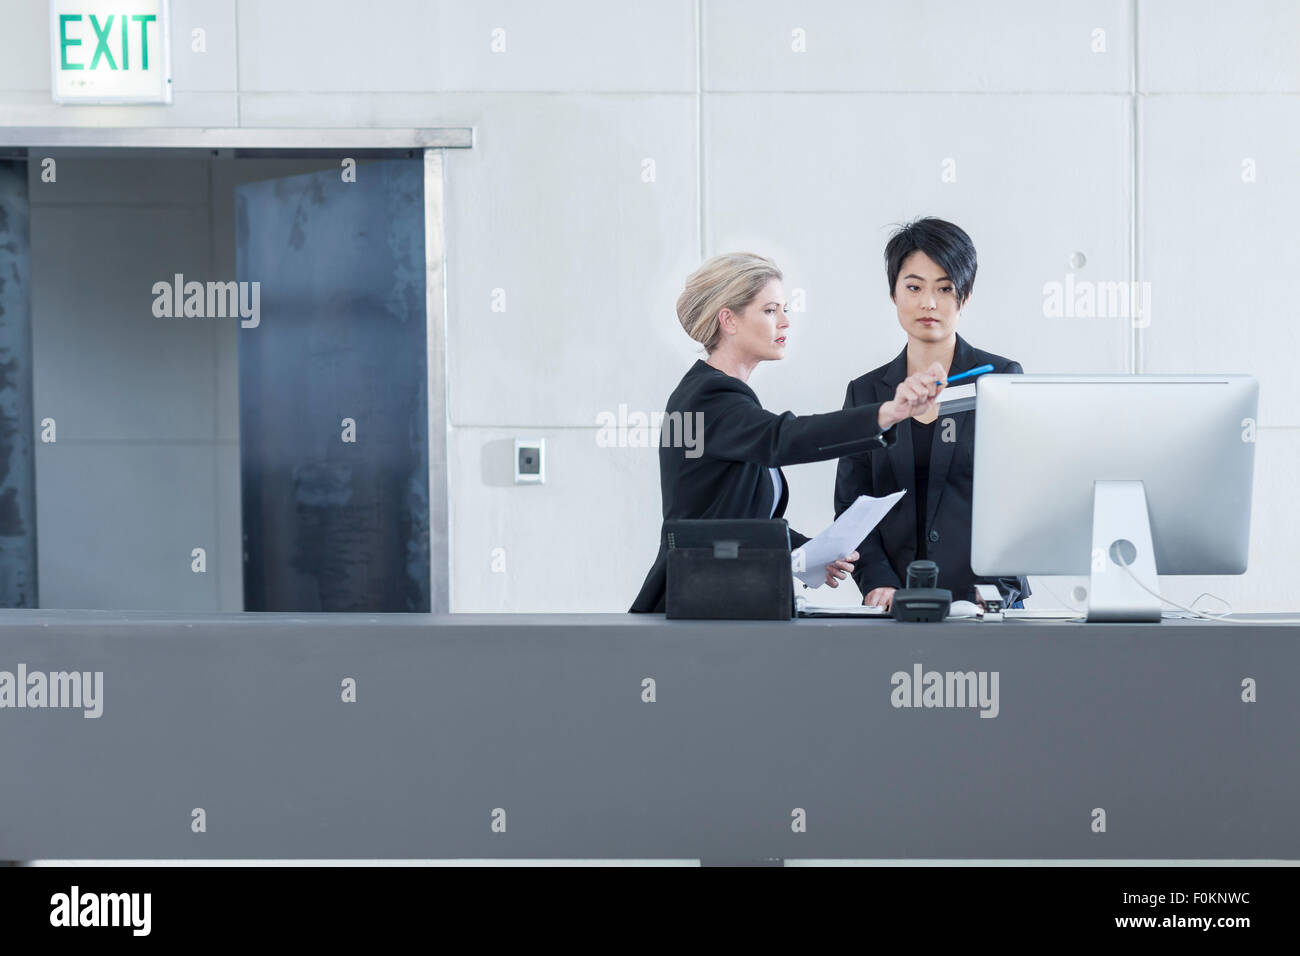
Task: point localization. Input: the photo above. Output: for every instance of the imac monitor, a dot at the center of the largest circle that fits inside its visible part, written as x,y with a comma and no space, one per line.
1118,477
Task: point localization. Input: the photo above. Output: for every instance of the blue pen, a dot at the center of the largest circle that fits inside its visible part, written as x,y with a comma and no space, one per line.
977,370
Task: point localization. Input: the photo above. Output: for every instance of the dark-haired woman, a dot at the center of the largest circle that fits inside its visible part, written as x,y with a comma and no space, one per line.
931,267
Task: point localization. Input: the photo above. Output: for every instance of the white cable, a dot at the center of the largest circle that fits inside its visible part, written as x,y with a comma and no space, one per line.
1196,613
1204,615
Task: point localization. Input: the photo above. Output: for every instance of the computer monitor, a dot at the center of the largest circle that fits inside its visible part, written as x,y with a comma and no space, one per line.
1084,474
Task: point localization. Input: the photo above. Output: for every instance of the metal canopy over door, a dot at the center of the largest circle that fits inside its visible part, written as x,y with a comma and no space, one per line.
334,441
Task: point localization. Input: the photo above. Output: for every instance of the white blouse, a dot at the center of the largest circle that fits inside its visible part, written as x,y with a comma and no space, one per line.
776,490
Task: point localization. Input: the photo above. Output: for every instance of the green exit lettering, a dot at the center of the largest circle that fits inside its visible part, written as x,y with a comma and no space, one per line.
104,34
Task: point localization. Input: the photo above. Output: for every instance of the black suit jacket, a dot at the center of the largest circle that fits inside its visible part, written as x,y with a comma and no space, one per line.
891,546
729,478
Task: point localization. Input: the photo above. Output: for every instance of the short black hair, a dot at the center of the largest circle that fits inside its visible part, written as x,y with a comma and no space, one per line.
947,244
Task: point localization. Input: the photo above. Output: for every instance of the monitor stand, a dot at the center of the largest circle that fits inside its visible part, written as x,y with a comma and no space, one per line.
1121,529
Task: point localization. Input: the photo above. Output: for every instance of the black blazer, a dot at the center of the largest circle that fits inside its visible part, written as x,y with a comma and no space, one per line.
729,478
886,552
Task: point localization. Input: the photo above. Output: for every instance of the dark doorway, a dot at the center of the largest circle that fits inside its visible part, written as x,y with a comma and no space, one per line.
334,450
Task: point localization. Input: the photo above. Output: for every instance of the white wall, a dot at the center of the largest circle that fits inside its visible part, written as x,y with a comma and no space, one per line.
808,157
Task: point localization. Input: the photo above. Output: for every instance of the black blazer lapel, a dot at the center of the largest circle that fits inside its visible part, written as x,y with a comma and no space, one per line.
900,453
941,451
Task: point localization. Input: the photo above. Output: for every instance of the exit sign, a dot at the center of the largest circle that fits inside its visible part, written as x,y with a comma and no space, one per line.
110,51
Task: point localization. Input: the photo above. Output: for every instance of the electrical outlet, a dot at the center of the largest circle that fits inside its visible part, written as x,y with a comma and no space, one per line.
530,461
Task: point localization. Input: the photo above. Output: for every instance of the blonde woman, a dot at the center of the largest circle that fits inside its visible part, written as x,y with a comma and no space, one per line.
734,306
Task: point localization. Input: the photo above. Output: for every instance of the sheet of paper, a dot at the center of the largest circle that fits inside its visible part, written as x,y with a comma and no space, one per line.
841,538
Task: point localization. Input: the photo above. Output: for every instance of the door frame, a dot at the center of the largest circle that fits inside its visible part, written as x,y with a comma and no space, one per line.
35,142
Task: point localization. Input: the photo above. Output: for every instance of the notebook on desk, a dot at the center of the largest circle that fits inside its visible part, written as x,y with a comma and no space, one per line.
848,610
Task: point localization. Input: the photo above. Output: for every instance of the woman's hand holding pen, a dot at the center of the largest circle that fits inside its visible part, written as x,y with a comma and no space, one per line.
914,396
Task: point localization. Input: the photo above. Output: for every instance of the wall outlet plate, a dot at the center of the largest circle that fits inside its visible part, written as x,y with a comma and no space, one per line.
530,461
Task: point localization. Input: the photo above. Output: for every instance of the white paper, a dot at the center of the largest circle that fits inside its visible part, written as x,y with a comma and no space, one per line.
841,538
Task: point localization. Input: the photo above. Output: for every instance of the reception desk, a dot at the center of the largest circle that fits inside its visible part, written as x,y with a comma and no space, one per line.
626,736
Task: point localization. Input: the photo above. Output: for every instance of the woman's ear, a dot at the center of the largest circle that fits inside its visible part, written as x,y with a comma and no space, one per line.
727,320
